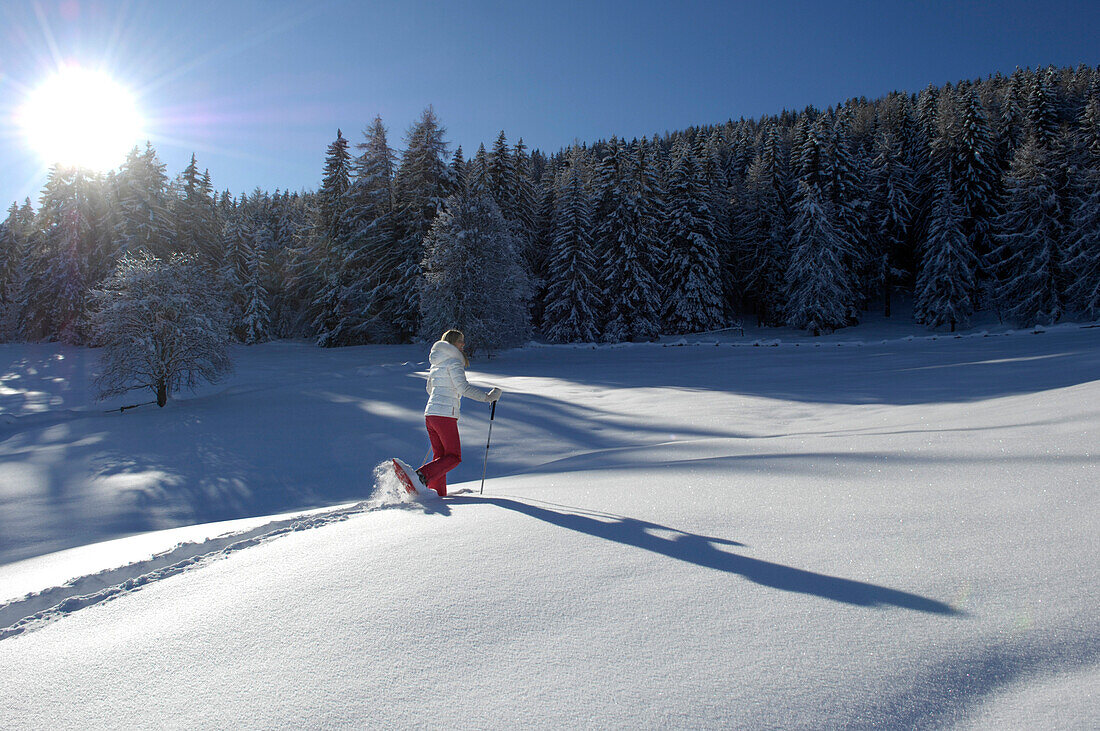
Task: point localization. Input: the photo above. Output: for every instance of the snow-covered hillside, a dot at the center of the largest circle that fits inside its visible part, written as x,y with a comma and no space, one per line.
857,531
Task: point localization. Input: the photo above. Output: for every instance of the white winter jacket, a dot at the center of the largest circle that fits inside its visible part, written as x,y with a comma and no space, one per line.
447,381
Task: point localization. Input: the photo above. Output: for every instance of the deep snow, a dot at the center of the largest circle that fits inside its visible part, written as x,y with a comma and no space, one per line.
863,531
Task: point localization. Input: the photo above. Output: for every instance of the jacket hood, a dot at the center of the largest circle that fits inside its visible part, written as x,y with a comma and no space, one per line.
443,351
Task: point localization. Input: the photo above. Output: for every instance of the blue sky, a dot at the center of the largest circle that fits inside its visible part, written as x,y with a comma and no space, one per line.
258,88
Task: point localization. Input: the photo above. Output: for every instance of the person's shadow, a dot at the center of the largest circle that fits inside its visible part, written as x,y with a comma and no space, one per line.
704,551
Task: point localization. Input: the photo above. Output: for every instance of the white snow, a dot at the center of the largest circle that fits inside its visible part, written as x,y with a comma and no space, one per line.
874,529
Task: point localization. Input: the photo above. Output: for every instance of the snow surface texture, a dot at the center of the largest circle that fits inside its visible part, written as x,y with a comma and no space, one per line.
899,534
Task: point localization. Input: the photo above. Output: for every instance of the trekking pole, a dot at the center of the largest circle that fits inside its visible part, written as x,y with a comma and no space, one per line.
485,467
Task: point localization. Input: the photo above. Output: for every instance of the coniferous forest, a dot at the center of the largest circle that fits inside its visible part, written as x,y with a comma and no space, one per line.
981,195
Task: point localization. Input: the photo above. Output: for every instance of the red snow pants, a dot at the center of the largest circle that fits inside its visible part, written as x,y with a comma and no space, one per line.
446,451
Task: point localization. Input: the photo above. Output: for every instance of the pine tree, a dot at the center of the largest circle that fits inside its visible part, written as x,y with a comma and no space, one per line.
143,216
257,311
525,197
368,301
820,283
812,161
335,183
237,242
607,195
945,283
1083,256
70,224
572,295
976,177
1011,123
694,283
717,160
325,250
458,171
477,172
422,183
762,225
930,160
20,287
1040,115
194,216
474,280
631,256
502,182
1089,131
848,198
68,240
1083,237
892,209
291,226
538,253
11,260
1029,254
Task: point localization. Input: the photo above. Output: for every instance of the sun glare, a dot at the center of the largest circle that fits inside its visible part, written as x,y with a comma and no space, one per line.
81,118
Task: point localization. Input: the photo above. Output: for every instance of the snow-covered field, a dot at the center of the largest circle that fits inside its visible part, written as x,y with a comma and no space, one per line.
864,530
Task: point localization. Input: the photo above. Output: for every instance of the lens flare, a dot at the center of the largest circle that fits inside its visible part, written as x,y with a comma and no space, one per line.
82,118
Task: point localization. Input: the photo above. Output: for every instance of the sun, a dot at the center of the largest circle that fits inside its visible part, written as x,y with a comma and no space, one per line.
81,118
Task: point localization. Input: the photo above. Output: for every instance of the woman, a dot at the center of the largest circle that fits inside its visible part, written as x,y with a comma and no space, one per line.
446,387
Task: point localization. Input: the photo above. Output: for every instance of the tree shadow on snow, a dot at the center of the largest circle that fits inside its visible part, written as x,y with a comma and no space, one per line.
898,372
705,551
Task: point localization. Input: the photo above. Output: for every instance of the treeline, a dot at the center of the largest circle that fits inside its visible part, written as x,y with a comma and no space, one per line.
977,195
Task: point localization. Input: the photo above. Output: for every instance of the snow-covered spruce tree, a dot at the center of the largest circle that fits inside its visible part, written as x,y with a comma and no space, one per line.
237,244
256,324
195,218
477,172
1040,113
1029,253
820,282
458,171
474,279
287,222
11,260
525,198
142,215
810,153
632,250
1083,238
849,200
422,184
1083,257
694,282
1010,123
606,193
367,300
945,283
572,294
761,229
891,212
324,251
65,225
19,276
162,326
929,160
716,160
538,253
976,177
1089,132
501,170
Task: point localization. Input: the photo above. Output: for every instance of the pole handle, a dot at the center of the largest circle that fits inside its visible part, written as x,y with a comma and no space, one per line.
493,411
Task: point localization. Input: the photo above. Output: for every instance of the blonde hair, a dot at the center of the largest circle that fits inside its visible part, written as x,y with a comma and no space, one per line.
452,337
